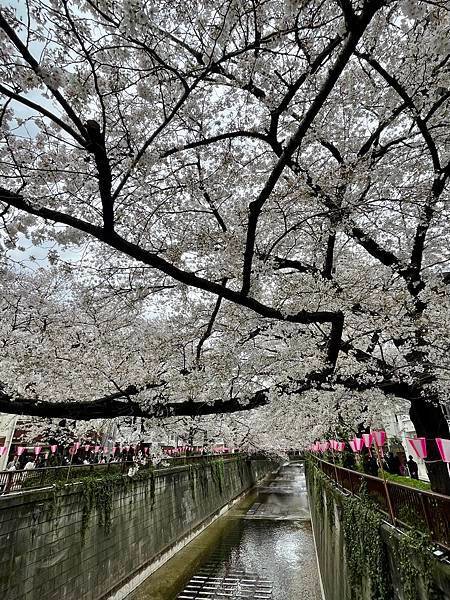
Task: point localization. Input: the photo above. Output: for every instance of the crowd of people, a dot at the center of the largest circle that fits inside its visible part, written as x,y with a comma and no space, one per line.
391,463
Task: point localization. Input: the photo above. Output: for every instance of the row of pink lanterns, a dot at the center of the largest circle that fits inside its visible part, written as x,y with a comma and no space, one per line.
73,449
417,446
97,448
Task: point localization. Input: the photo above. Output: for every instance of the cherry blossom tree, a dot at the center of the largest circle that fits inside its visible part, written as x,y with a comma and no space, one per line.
259,194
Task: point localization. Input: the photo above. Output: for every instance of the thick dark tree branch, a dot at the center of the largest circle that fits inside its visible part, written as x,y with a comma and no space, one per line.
96,145
120,404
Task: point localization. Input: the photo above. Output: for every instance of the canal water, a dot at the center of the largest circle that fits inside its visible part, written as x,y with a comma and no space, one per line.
261,549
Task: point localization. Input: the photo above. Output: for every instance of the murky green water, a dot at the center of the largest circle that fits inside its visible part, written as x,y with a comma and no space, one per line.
262,548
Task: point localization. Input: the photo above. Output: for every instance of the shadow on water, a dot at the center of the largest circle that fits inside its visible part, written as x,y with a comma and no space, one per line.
262,549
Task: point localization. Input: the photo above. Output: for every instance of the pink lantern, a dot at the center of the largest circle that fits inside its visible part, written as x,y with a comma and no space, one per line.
444,449
87,447
380,437
359,443
53,448
20,450
96,448
352,445
418,446
368,439
37,449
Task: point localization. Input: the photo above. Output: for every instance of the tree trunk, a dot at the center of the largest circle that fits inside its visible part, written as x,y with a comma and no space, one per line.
430,422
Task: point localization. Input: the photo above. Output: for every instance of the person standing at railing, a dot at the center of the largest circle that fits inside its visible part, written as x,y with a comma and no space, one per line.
413,468
12,466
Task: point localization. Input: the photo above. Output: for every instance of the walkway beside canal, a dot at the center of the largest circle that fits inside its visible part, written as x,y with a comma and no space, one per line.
262,549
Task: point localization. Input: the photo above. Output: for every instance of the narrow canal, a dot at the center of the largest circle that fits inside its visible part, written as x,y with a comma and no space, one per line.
262,549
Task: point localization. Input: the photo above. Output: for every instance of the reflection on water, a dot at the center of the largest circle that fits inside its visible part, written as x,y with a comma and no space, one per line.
261,549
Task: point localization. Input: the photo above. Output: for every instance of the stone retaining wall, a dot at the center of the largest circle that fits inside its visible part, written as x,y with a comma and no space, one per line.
333,551
89,543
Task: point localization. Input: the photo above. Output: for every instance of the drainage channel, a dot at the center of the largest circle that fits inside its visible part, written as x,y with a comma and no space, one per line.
262,549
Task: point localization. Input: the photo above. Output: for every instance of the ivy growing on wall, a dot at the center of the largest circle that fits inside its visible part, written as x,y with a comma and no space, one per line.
366,554
218,473
365,548
413,561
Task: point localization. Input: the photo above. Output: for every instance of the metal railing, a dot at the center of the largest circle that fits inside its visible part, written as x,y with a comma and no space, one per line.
426,511
24,480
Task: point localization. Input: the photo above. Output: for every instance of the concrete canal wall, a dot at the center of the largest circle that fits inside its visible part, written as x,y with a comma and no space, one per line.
100,538
361,556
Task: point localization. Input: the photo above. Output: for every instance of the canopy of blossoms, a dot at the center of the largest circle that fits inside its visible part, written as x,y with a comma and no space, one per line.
241,205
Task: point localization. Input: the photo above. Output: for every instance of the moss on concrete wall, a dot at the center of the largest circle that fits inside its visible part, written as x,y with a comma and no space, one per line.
361,556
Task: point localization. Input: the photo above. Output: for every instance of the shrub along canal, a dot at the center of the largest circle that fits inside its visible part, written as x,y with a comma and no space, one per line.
262,548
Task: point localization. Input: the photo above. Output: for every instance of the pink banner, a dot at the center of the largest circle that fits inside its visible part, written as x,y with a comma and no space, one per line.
96,448
379,437
418,446
20,450
352,445
444,449
341,446
359,443
37,449
53,448
368,439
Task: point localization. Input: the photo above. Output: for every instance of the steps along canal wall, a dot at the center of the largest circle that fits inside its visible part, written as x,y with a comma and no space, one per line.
361,556
100,538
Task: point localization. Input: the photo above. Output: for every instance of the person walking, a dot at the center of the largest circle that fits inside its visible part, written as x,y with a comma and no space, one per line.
373,466
413,468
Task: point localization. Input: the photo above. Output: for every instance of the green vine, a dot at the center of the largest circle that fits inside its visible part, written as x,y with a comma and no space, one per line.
218,473
98,494
365,548
413,561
